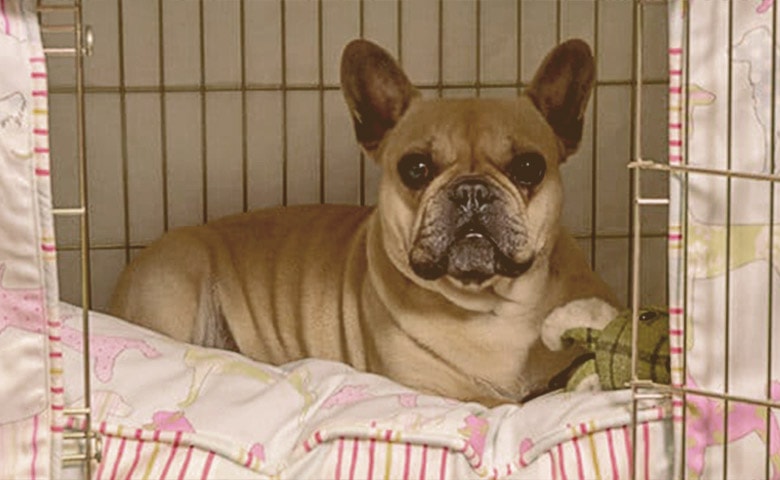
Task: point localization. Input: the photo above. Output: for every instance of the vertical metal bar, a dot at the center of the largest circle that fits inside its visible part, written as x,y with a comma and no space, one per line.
685,80
163,112
770,267
400,31
633,191
440,60
123,128
244,120
558,33
362,161
636,233
727,300
478,60
86,271
321,98
594,148
519,47
285,148
203,122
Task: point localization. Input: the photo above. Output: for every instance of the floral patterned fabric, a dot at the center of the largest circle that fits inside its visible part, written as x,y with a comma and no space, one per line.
30,358
167,407
724,243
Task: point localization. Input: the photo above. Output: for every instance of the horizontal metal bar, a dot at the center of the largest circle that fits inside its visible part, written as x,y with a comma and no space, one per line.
273,87
75,411
139,246
68,212
652,396
78,435
650,393
652,201
652,165
60,52
56,8
58,28
716,395
76,458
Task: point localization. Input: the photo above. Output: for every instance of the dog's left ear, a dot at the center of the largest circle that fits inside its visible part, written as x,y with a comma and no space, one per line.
561,89
376,90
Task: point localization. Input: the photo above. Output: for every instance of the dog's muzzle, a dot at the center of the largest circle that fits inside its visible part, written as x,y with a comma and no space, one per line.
469,232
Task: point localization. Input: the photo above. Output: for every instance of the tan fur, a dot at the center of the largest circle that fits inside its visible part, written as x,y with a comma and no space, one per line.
334,282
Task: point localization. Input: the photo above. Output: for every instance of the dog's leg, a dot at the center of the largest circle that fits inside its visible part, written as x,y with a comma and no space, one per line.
163,288
587,312
210,328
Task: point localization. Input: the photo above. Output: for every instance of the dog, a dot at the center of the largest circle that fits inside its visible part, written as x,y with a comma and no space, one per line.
443,286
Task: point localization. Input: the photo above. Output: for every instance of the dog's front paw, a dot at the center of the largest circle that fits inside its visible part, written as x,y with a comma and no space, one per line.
587,312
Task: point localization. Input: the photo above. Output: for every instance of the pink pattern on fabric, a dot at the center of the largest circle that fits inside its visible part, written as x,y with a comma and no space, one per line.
21,308
347,395
171,422
475,432
704,427
525,446
407,400
258,451
105,349
764,6
7,28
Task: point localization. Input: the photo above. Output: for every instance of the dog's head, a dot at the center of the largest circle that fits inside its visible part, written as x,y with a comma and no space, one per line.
470,188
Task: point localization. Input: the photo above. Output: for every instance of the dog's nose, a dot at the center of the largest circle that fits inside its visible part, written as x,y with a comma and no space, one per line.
472,194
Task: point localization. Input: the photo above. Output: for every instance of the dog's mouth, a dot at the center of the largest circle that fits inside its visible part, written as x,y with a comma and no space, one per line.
472,256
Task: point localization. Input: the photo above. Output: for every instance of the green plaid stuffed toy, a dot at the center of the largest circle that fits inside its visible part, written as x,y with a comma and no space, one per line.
607,365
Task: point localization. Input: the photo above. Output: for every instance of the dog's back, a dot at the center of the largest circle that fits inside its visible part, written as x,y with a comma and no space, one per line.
280,275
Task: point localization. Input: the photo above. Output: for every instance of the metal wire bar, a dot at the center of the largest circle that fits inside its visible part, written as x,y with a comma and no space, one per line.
770,265
123,127
636,224
313,87
661,387
594,154
400,31
518,46
51,28
653,165
727,279
86,266
244,119
321,101
285,147
685,227
68,212
362,160
440,50
478,53
652,201
60,52
82,47
51,8
578,236
203,113
163,110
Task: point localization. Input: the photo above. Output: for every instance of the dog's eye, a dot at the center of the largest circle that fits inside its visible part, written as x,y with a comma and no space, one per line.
416,170
527,169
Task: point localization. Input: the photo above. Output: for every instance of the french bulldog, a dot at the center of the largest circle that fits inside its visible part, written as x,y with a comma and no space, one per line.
444,286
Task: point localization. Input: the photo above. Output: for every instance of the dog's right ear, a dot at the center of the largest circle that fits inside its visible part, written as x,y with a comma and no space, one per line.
376,90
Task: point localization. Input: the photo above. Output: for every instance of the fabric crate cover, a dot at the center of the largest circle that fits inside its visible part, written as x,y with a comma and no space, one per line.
723,243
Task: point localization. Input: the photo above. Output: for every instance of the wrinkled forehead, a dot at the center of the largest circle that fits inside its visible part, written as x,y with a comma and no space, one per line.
490,128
